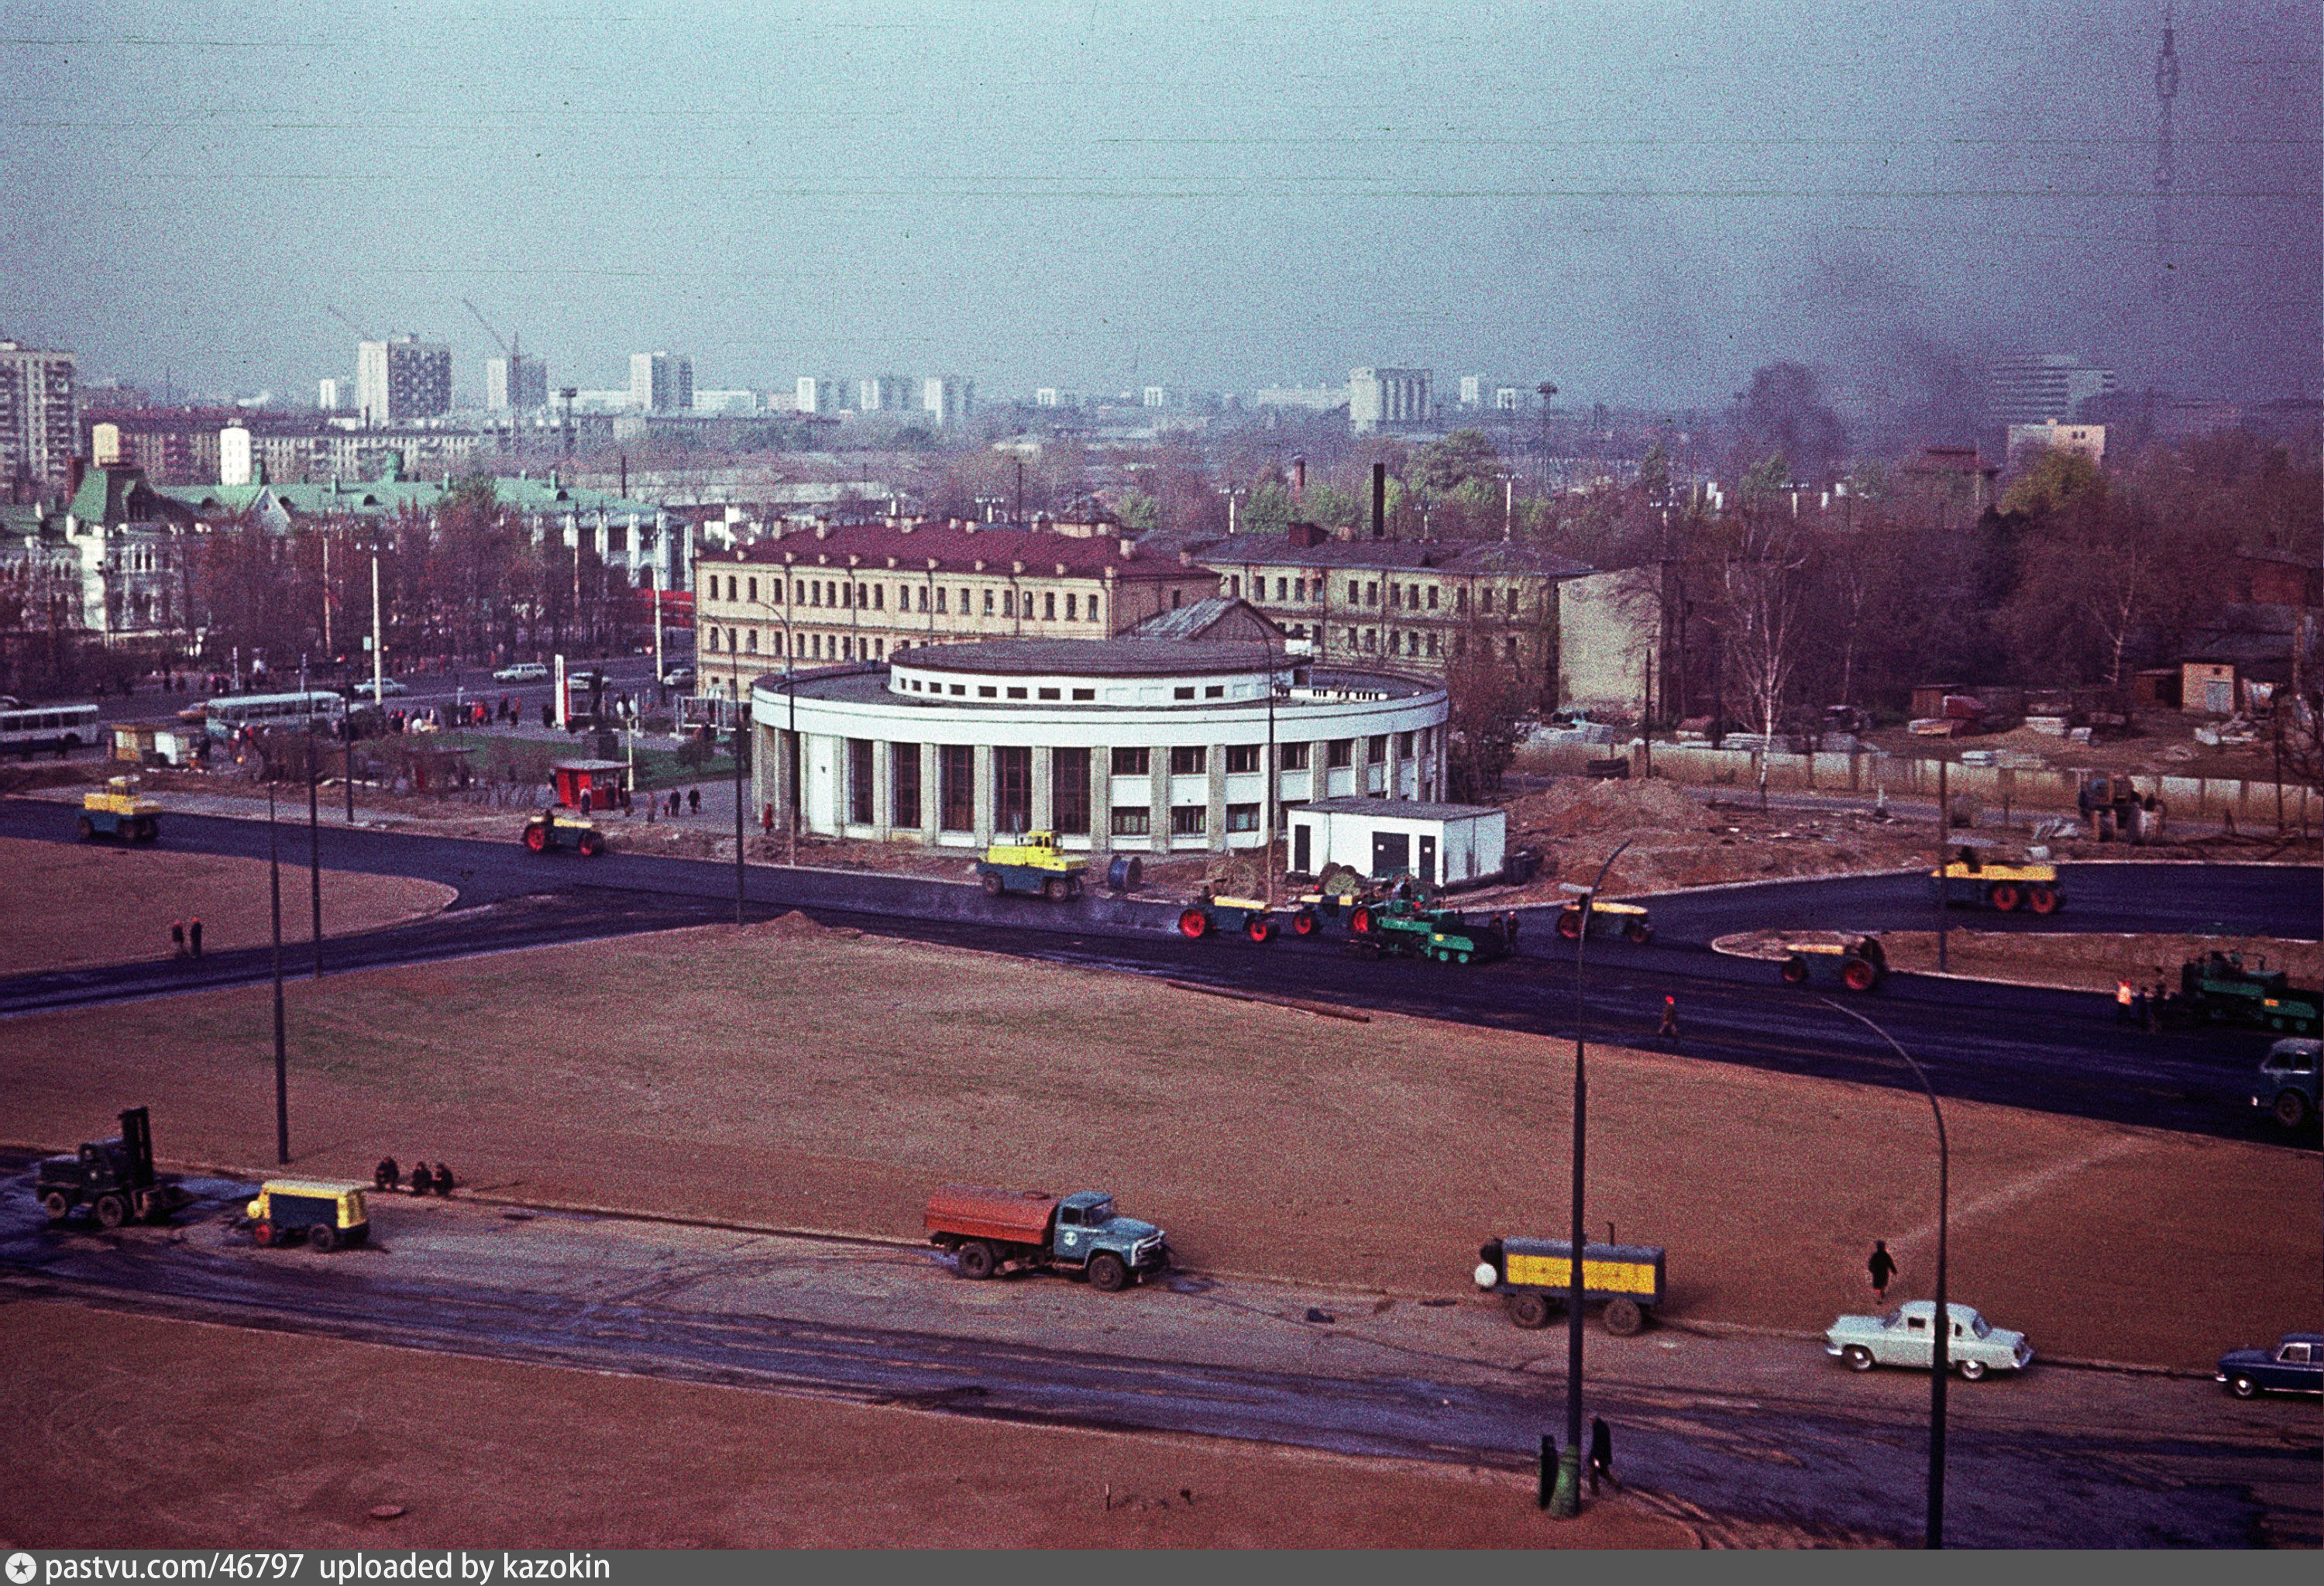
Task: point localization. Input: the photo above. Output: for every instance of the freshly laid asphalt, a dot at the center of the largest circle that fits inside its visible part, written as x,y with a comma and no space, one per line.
2054,1051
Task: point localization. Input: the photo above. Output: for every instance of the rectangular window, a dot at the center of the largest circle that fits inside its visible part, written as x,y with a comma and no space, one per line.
1376,749
1188,820
1395,597
1427,740
1007,602
1189,759
1016,694
987,603
1070,599
1460,600
1242,757
1355,593
1403,746
1012,788
1045,693
859,786
1293,755
815,594
1132,820
1432,597
1216,691
987,691
1185,692
940,603
960,688
1371,594
924,597
1130,762
957,786
751,641
1485,605
1339,753
964,603
1242,818
1432,642
879,597
1048,606
799,593
1371,639
1085,694
1281,585
1069,790
755,590
906,793
1512,646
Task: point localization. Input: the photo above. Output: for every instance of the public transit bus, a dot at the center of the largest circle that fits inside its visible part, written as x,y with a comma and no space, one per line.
25,728
229,713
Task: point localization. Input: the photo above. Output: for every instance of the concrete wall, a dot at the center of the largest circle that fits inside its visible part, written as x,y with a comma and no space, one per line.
2253,804
1608,624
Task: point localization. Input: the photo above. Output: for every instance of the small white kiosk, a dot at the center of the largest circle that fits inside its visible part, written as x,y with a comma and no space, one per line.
1442,844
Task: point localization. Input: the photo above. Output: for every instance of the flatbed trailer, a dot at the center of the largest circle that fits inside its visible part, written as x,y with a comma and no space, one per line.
1535,1277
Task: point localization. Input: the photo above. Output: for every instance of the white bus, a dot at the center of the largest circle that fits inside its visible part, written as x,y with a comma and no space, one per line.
229,712
27,727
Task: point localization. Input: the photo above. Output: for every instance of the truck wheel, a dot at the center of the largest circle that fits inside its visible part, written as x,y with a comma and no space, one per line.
1107,1272
1304,923
56,1204
1857,974
1528,1310
148,828
537,839
1858,1357
1639,933
261,1234
1194,925
974,1261
1054,889
2243,1387
2045,901
2004,898
322,1238
1795,972
991,883
2290,1109
86,829
590,844
1361,922
1569,924
1624,1318
112,1211
1972,1370
1260,928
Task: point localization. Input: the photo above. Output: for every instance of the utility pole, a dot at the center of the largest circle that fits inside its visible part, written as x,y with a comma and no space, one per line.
742,726
281,1056
2166,172
378,643
315,842
1944,834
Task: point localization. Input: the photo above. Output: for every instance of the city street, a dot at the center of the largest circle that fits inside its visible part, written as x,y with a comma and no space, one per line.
1738,1426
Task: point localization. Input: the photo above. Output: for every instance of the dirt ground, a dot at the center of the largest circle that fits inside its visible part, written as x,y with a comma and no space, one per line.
786,1076
47,921
2094,961
144,1433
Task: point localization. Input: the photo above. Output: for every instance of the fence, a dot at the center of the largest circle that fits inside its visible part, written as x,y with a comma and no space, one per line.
2251,805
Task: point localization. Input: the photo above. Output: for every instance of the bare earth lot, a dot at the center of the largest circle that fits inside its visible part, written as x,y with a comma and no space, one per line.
66,908
141,1433
2095,961
786,1076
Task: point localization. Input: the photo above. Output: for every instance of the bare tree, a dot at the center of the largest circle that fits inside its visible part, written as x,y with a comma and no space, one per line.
1763,607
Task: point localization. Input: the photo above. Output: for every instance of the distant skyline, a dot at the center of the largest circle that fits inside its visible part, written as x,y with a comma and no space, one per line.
1641,202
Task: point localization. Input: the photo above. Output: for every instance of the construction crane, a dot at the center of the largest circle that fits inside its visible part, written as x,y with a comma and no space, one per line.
509,345
342,315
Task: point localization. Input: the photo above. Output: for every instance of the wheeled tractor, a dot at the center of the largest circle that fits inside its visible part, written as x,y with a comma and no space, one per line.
1251,917
2003,888
1858,961
550,829
121,813
1629,921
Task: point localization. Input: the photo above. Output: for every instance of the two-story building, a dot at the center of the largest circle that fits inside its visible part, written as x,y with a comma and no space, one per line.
1414,605
866,591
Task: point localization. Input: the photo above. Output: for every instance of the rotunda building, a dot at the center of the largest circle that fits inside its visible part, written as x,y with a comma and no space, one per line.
1151,746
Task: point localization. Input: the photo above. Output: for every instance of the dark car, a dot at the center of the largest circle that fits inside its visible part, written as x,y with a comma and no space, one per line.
2295,1365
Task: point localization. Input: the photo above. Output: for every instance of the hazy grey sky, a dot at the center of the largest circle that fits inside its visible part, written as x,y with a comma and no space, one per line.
1641,201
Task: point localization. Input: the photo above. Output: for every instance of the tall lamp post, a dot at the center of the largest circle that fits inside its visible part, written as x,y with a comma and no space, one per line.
281,1059
1567,1500
1939,1362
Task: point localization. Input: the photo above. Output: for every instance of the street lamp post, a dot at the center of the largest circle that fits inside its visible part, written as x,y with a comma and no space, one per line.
1567,1501
281,1059
1939,1361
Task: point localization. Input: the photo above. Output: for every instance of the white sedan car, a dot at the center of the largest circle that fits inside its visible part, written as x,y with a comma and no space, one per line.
1904,1338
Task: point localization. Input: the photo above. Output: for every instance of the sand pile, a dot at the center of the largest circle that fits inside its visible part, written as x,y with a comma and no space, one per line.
1578,806
793,925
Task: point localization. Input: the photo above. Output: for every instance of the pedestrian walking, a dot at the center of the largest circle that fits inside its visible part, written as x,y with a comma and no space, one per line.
194,937
1668,1030
2123,1001
767,820
177,938
1882,1266
693,801
1601,1454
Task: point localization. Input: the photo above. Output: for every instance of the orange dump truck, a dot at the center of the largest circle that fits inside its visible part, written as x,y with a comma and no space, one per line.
987,1229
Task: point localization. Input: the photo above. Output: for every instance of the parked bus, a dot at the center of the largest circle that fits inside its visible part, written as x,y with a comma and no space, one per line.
28,727
230,712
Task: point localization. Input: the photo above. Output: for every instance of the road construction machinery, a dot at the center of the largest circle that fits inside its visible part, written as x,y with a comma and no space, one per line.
1970,882
988,1230
1535,1276
2216,988
1629,921
1031,862
113,1179
1398,928
548,829
120,812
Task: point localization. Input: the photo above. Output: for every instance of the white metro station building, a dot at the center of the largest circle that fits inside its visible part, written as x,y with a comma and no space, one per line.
1140,745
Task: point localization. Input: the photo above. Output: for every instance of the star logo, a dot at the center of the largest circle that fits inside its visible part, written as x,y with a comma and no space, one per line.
21,1568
